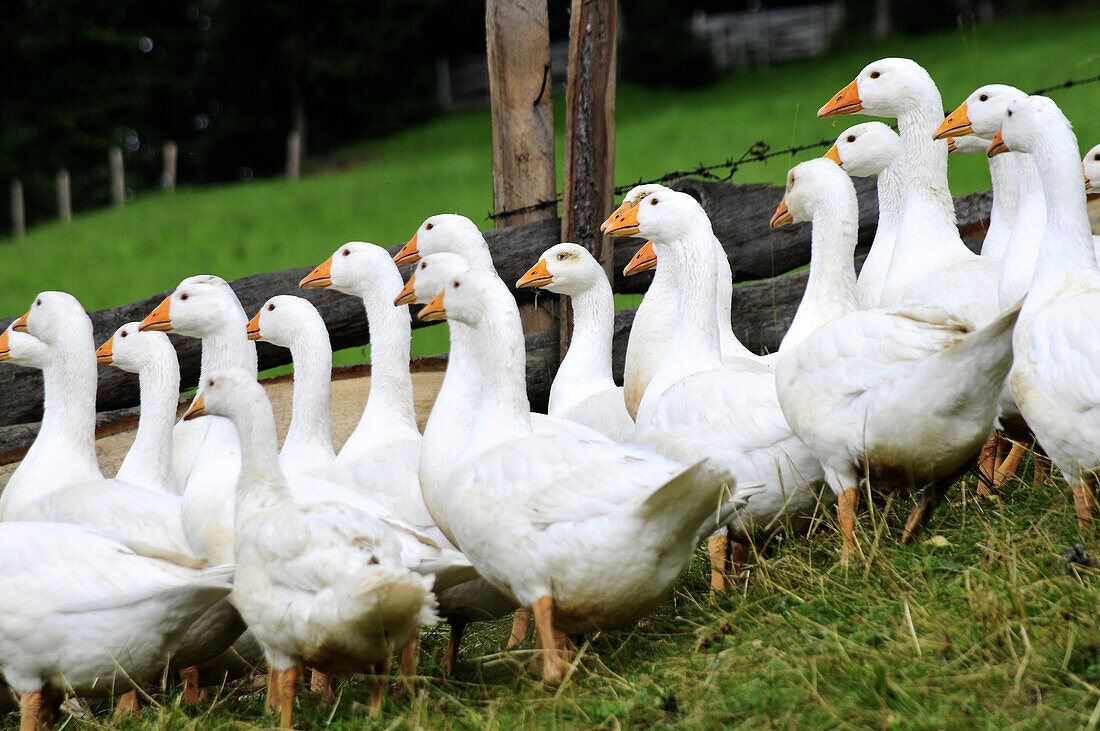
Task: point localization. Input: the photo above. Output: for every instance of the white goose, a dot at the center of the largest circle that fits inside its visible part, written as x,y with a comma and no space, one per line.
445,437
207,452
294,323
583,389
1056,373
696,406
59,479
1091,165
980,115
84,614
930,263
868,149
549,519
152,357
321,583
905,395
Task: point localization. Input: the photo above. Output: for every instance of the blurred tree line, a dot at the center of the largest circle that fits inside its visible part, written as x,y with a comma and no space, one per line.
226,79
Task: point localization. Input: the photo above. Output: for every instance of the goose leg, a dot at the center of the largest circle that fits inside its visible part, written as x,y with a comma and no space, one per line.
987,463
128,705
287,681
846,504
272,700
192,693
739,556
450,656
1042,470
1082,504
377,684
324,684
718,549
921,514
519,626
544,624
409,656
1011,463
33,713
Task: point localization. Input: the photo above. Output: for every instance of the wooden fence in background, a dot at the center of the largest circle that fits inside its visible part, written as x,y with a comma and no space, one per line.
763,305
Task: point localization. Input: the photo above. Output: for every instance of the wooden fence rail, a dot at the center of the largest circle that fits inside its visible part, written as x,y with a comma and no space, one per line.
762,309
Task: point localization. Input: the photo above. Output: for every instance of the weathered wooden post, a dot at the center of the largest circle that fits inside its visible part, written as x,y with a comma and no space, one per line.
168,174
517,36
293,154
64,196
18,213
118,179
589,137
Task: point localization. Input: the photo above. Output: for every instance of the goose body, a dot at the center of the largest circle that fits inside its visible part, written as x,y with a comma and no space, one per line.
904,394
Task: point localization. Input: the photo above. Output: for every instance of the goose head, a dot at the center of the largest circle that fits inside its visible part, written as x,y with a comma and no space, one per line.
866,149
23,349
1027,126
199,307
980,114
1091,165
230,393
660,214
884,88
468,298
812,187
134,350
54,318
357,268
445,232
564,269
282,318
431,276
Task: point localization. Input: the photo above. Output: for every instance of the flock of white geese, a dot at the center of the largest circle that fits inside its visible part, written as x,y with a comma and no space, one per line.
213,549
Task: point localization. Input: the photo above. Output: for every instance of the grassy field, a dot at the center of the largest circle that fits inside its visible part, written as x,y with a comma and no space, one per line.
978,625
115,256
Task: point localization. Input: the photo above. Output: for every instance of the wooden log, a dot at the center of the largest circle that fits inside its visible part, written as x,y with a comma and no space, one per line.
118,176
18,211
761,308
589,139
64,196
294,154
170,157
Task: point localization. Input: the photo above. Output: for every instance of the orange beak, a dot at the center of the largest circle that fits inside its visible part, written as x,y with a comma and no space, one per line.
103,352
951,146
407,295
321,276
1088,183
845,102
408,253
159,318
997,146
20,325
643,260
782,216
623,222
536,276
433,311
196,410
5,349
253,326
834,155
956,124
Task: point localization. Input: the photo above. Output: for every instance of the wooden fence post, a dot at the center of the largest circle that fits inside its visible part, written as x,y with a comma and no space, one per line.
118,179
521,95
64,196
293,154
168,175
18,213
589,136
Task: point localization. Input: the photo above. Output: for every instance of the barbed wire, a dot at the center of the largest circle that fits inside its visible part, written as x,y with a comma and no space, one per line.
759,151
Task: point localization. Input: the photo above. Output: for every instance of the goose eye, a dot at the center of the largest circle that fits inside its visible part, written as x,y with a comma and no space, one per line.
875,74
38,302
210,382
428,226
561,257
183,296
1010,112
1096,157
271,308
983,98
346,252
124,333
851,138
455,285
653,201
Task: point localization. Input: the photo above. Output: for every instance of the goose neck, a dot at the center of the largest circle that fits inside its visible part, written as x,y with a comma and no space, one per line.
310,419
226,347
261,482
68,411
695,339
159,382
589,357
1006,200
505,411
391,390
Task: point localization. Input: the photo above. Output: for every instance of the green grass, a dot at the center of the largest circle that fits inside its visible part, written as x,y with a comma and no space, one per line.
115,256
977,625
